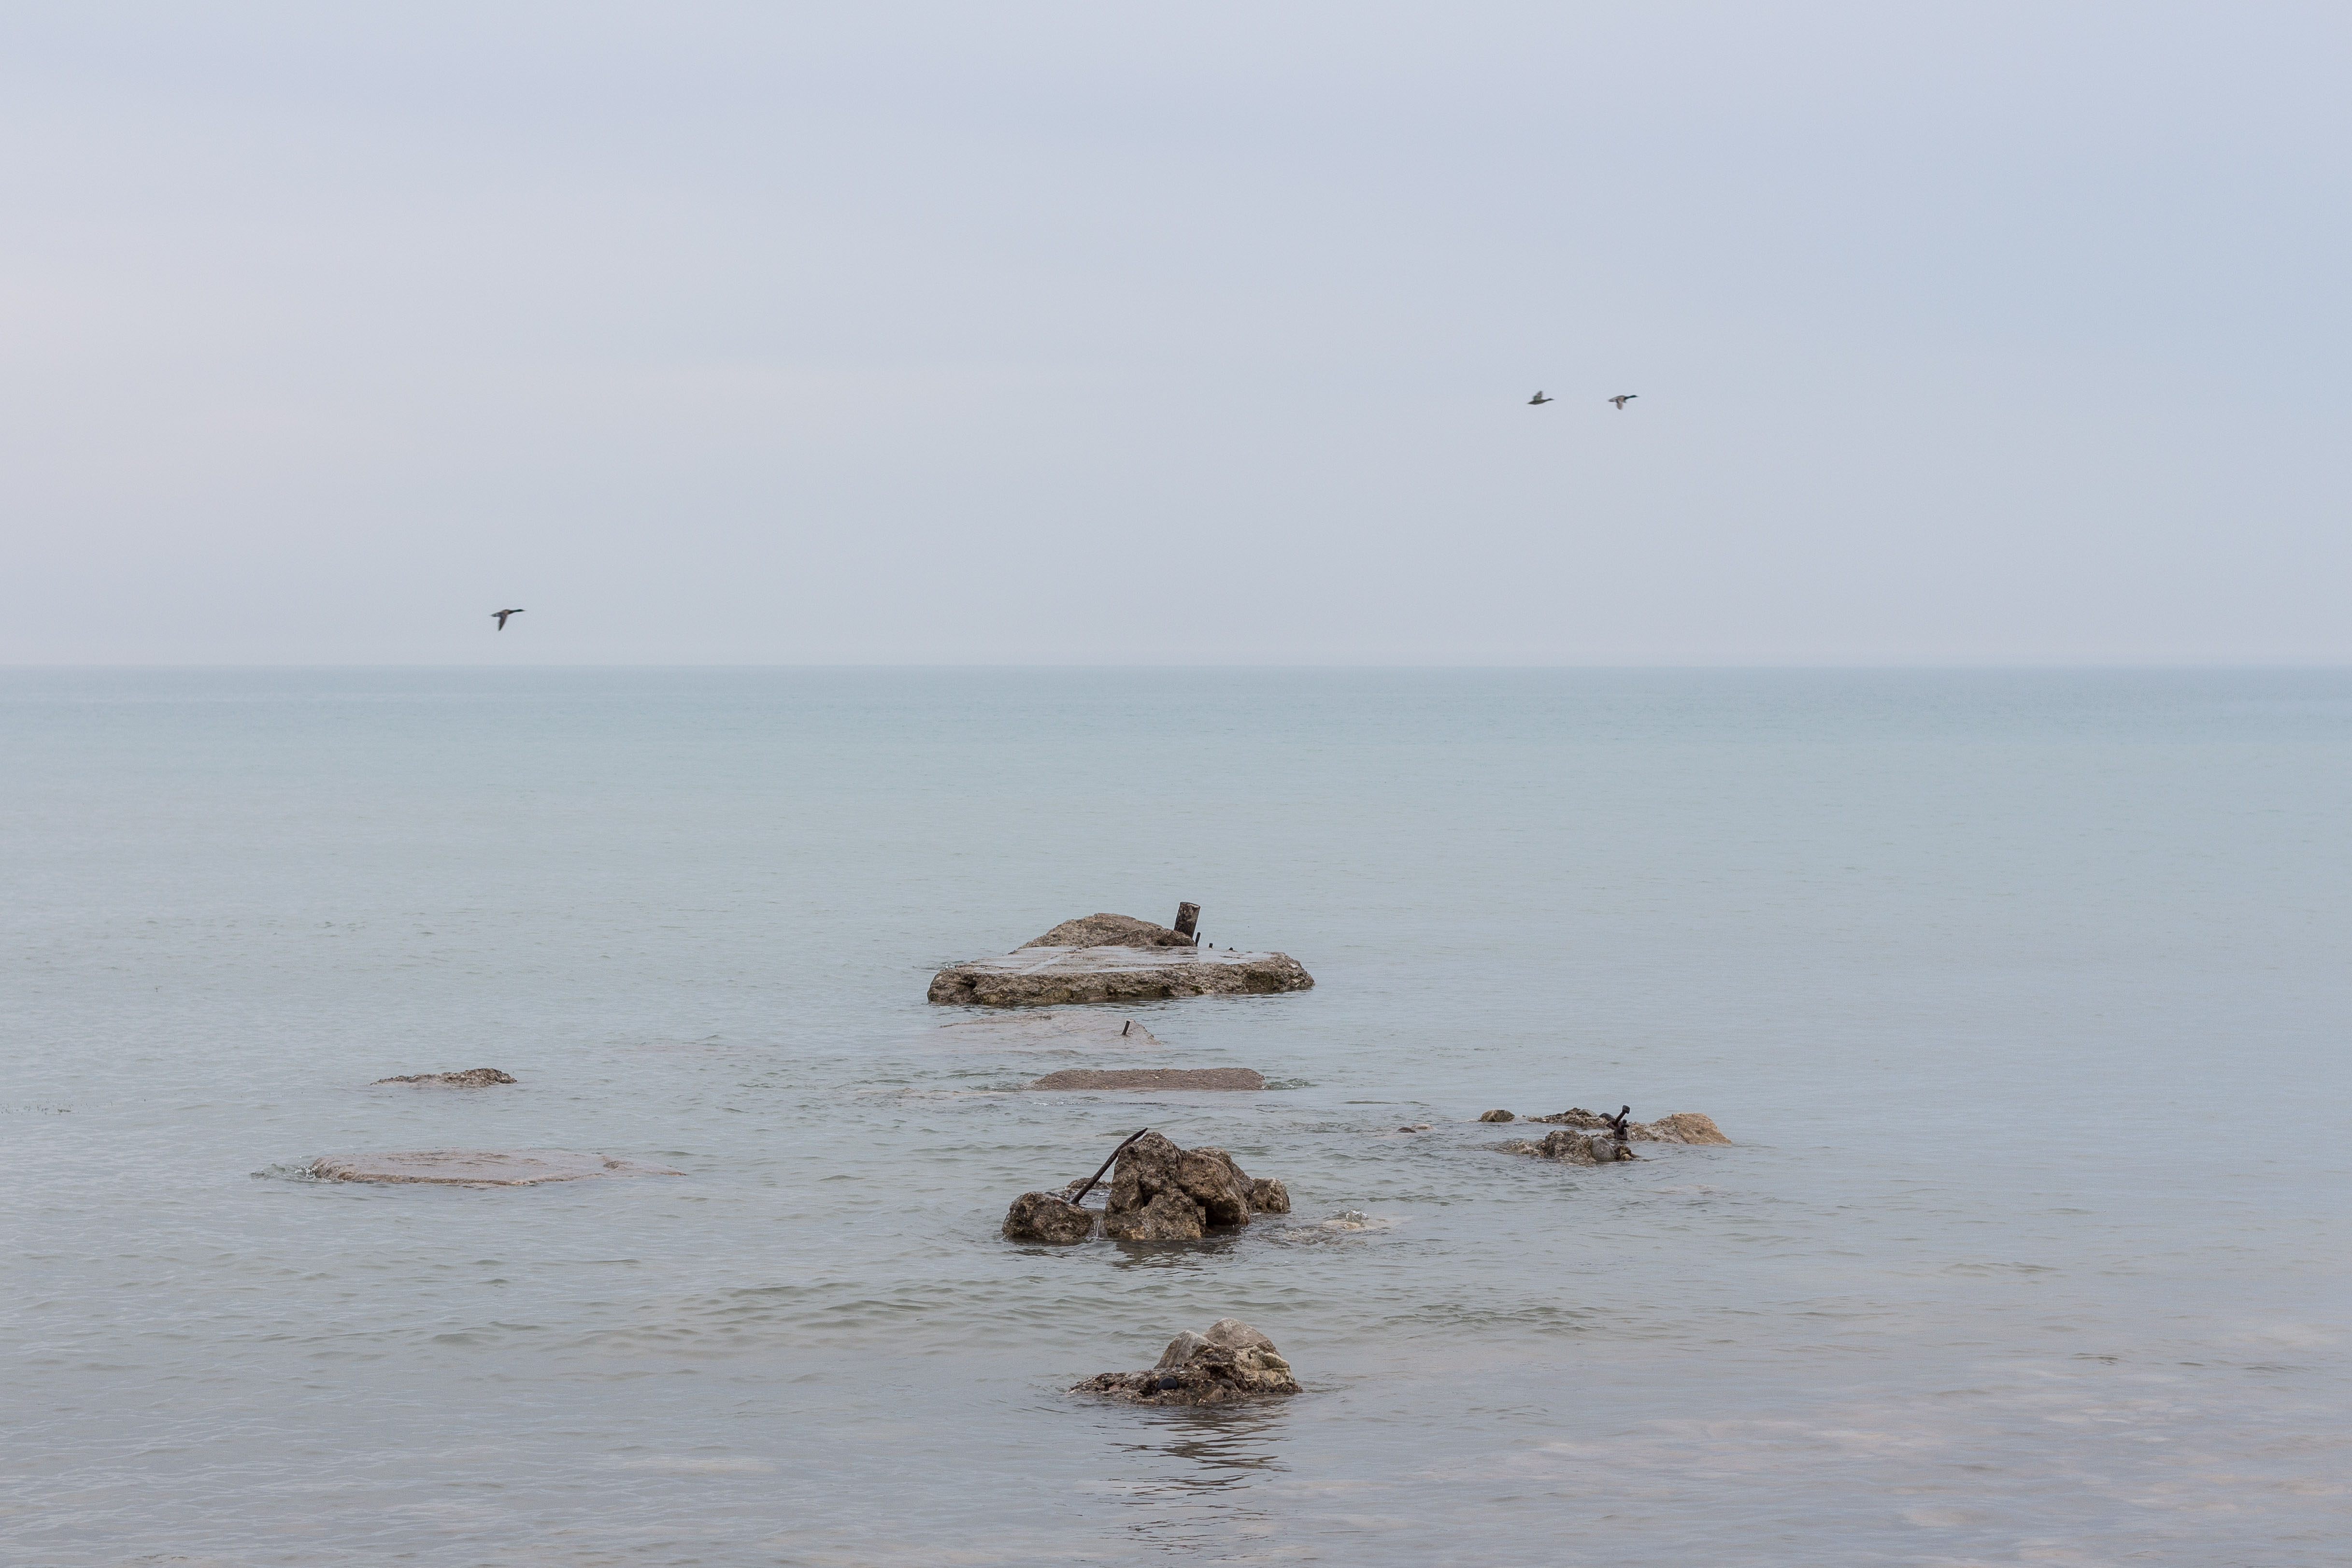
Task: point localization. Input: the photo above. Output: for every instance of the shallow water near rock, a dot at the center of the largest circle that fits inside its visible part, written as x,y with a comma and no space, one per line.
2020,993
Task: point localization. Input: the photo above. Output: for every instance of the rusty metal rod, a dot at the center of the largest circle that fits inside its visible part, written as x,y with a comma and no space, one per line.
1098,1176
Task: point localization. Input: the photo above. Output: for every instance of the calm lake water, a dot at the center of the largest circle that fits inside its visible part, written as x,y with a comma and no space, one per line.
2024,994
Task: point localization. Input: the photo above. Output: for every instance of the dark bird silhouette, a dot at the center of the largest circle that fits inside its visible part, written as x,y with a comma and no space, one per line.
1617,1122
1540,397
501,616
1623,398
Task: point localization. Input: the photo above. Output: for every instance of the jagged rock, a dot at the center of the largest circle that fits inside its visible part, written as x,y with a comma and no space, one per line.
478,1167
472,1078
1576,1147
1267,1195
1153,1077
1109,930
1165,1216
1163,1192
1048,1216
1231,1362
1496,1116
1055,975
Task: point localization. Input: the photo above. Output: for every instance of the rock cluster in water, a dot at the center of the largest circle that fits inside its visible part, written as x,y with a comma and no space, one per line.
1589,1138
472,1078
1158,1192
1231,1362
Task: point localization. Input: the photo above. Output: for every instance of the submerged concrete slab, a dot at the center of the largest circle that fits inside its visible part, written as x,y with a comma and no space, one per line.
1153,1077
1049,976
1043,1031
478,1167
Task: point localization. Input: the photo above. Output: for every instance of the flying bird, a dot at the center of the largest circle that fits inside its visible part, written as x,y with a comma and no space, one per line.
1623,398
500,617
1540,397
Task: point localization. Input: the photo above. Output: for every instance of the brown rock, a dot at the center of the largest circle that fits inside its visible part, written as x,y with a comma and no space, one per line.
1683,1127
1231,1362
472,1078
1153,1077
1159,1191
1496,1116
1165,1216
478,1167
1050,1217
1109,930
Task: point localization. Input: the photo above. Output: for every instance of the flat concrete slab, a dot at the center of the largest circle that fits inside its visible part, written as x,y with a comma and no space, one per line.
1049,976
1153,1077
478,1167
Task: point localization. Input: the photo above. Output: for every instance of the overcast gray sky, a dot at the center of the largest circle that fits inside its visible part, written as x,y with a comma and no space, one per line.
1107,332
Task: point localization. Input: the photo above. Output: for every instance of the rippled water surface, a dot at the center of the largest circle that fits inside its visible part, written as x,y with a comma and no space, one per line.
2023,995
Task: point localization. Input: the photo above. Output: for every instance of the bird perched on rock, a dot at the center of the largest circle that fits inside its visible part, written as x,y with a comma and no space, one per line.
500,617
1623,398
1540,397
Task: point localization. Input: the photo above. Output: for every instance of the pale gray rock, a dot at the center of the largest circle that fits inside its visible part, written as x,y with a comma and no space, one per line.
1059,976
478,1167
1231,1362
1152,1077
1048,1217
472,1078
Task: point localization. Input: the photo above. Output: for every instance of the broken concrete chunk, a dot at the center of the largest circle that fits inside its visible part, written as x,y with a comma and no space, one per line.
1113,958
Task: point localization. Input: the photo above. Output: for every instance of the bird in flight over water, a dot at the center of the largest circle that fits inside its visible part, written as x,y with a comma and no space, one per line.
500,617
1623,398
1540,397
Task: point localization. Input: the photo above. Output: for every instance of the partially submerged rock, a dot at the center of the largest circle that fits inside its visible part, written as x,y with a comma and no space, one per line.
1109,930
1113,958
478,1167
1682,1127
1153,1077
1576,1147
1496,1116
1049,1217
1158,1192
1229,1362
472,1078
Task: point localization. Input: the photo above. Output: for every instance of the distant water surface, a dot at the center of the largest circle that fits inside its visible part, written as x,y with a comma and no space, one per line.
2024,995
